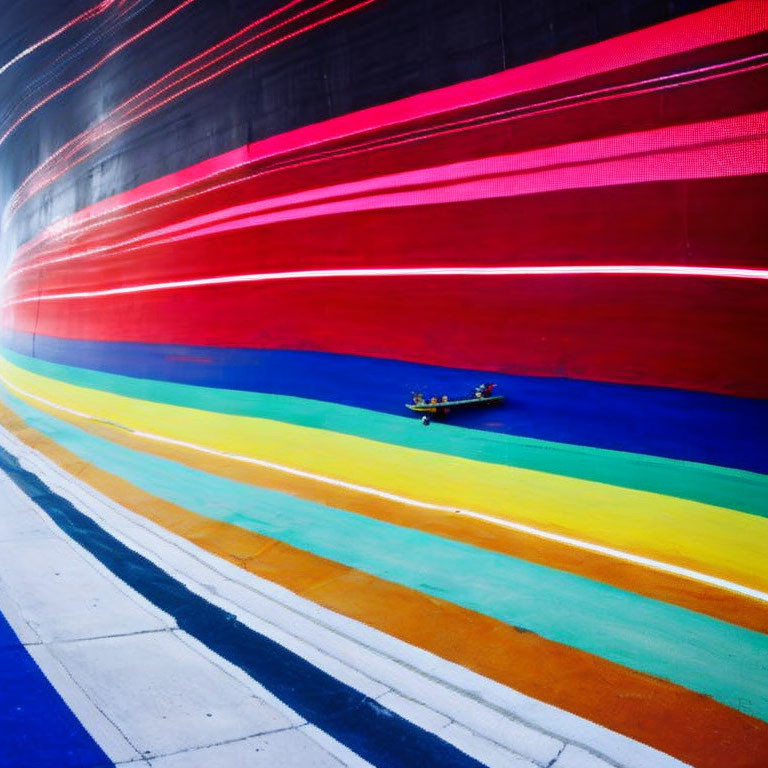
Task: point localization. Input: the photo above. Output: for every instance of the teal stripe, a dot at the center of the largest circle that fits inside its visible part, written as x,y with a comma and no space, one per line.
721,486
715,658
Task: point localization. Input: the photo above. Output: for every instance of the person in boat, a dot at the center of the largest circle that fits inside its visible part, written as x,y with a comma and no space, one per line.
484,390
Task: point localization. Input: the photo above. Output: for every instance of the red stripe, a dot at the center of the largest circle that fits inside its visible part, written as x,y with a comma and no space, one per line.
686,333
634,224
667,203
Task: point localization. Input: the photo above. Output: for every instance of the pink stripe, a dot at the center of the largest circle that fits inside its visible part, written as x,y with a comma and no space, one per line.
720,24
720,148
744,151
605,94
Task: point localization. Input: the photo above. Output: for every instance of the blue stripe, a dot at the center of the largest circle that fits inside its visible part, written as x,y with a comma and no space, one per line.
692,426
37,729
357,721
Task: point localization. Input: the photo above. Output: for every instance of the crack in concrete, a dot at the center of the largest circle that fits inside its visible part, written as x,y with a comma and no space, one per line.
87,696
158,755
512,717
87,639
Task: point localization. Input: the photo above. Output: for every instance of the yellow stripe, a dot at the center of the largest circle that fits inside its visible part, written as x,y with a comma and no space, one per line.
663,715
657,584
718,541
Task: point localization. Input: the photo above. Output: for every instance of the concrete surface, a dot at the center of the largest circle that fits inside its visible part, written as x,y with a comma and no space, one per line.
149,692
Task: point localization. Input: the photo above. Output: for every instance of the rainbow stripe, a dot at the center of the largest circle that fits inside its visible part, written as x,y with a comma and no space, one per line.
227,351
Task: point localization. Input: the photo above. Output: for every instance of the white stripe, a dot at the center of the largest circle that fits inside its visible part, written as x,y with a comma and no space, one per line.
618,554
309,274
426,689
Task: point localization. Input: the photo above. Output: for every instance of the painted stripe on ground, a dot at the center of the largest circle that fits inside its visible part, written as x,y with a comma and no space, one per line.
624,556
714,544
619,417
666,716
357,721
703,654
745,491
651,582
36,726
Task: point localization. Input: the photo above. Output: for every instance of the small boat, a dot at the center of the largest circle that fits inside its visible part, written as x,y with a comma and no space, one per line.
483,395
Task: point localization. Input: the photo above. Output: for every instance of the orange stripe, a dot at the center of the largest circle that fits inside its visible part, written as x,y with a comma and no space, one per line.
687,725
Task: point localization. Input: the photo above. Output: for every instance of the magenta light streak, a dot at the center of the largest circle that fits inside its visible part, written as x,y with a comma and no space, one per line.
85,16
718,148
687,151
101,133
715,25
445,129
93,68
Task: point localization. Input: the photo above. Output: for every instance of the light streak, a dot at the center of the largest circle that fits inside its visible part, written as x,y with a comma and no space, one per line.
529,530
132,39
85,16
246,57
100,131
97,137
634,270
735,146
710,72
166,77
102,134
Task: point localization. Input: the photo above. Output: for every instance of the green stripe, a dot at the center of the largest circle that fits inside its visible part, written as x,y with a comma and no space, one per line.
721,486
707,655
